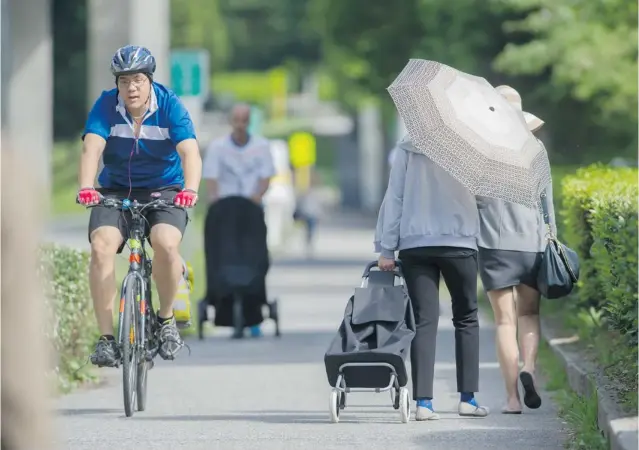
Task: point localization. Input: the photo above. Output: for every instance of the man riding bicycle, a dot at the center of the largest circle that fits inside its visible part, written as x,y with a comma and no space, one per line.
146,139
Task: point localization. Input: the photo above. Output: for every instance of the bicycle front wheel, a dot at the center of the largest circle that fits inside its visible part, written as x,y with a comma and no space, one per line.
147,319
130,354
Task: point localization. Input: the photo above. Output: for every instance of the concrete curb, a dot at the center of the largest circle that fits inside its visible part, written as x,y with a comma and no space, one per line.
584,378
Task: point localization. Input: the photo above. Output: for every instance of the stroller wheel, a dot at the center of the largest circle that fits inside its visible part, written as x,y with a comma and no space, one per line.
333,405
404,404
201,318
238,317
277,328
273,310
273,314
200,329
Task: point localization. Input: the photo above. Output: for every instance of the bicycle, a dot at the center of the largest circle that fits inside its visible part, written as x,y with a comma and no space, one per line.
139,345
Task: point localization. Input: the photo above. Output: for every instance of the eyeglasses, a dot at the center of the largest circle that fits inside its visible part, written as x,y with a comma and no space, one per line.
135,82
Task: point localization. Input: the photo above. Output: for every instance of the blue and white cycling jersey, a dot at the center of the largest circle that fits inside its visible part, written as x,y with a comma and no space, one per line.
151,161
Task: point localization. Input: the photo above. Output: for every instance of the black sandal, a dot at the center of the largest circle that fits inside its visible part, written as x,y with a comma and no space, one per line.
531,398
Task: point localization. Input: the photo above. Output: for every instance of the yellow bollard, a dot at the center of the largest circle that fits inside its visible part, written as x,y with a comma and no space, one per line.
182,302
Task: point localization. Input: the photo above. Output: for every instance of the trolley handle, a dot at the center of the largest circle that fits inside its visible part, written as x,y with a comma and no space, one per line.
397,270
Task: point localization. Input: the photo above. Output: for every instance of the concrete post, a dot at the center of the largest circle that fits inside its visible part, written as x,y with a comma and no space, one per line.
110,27
154,32
371,156
26,98
27,83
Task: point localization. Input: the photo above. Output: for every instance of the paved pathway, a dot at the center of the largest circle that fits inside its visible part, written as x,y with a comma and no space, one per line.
273,393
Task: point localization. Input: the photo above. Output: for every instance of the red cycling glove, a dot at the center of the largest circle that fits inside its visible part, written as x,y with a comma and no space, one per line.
186,198
88,196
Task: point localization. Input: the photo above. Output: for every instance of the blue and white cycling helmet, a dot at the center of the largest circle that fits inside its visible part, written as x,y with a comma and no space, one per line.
132,59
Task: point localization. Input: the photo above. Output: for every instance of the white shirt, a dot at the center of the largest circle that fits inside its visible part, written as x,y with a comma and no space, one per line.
238,170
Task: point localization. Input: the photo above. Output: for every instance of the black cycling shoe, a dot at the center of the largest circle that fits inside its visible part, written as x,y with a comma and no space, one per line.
170,340
106,353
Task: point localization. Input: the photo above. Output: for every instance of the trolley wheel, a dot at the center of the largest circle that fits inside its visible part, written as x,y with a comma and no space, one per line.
333,405
404,404
342,400
395,397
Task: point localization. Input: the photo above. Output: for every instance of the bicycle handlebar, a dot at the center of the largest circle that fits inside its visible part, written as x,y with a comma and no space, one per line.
128,205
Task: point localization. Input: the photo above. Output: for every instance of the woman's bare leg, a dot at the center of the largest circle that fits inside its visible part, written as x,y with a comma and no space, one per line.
529,334
503,304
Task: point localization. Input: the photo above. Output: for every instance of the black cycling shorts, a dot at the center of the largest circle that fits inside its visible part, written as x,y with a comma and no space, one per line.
103,216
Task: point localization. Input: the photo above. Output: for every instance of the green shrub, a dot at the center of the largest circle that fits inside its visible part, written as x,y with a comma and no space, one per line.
600,223
559,172
73,332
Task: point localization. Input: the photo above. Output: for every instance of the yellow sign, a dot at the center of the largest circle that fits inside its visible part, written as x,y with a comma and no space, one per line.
302,149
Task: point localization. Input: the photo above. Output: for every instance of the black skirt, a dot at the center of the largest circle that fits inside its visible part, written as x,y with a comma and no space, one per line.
500,269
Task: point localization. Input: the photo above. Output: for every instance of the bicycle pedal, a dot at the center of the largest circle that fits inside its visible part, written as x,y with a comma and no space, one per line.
184,325
150,354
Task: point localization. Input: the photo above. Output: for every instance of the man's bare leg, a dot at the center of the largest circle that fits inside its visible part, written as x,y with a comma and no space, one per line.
105,242
167,272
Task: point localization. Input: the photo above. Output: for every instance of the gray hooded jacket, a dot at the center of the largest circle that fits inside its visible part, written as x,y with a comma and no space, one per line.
424,206
509,226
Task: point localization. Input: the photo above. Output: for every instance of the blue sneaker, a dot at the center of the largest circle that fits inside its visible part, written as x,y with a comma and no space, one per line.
256,331
425,411
471,408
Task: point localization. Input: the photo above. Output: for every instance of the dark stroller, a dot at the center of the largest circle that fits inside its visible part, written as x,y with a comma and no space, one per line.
369,352
237,261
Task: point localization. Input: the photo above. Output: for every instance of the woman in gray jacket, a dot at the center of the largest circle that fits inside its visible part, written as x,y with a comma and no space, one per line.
511,242
432,221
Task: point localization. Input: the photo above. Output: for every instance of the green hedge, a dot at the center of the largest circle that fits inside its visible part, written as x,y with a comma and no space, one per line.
73,333
600,222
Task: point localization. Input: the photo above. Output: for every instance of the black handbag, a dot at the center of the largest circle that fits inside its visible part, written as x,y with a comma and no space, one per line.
559,269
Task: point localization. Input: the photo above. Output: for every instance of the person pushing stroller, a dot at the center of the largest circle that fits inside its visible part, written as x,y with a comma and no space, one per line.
239,164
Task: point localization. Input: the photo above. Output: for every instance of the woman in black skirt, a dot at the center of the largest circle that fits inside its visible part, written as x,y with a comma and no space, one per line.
512,241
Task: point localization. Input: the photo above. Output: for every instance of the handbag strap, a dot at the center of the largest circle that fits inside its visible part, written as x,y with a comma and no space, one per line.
544,209
560,248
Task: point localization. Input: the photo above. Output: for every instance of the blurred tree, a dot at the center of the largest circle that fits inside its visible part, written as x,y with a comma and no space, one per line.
365,43
465,34
69,67
560,65
199,24
248,35
264,34
590,50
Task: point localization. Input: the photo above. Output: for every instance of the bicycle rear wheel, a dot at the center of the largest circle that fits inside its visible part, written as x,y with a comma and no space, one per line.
130,354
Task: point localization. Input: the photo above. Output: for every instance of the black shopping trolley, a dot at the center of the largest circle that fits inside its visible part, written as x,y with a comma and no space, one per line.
370,349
